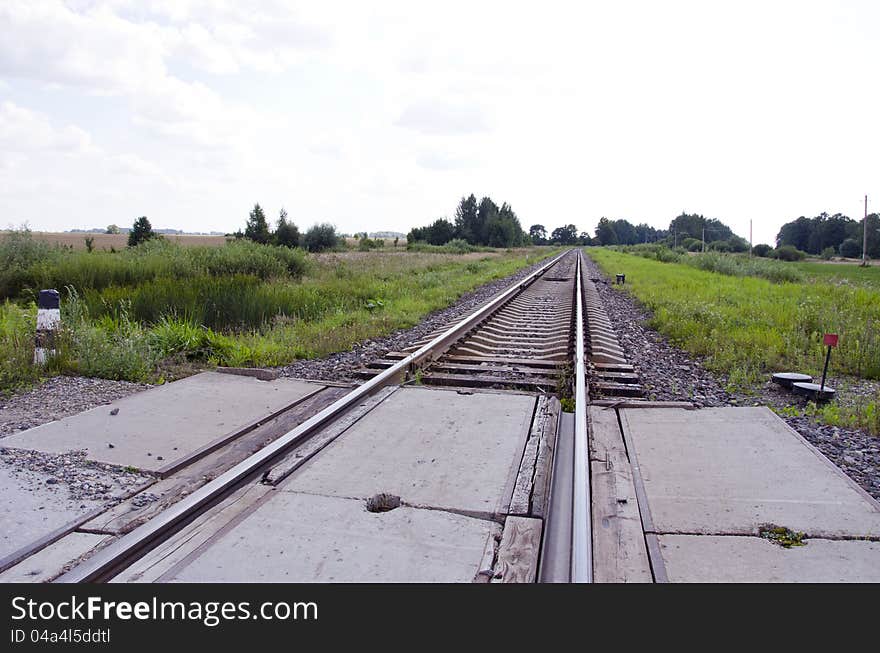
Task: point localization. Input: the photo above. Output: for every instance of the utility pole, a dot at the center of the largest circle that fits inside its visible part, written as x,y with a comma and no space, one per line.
865,236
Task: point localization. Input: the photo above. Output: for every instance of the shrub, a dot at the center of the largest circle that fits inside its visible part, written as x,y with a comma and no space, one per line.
762,250
320,238
458,246
788,253
850,248
828,253
692,244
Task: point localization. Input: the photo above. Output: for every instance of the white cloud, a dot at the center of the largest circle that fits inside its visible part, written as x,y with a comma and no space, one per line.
443,117
22,130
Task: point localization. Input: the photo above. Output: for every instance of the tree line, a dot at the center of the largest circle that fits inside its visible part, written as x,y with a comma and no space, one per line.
478,223
827,235
318,238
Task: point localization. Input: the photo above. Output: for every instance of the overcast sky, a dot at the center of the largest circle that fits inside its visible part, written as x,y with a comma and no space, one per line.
381,115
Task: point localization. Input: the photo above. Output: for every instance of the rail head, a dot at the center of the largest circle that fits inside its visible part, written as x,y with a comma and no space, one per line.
581,532
108,561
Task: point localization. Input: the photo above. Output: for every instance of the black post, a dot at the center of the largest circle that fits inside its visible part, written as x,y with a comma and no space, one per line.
825,371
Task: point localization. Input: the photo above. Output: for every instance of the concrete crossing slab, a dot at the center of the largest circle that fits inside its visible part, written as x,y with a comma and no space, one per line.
308,538
50,561
726,559
731,470
435,448
151,430
29,510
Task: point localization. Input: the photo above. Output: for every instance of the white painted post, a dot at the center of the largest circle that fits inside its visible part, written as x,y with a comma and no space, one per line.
48,321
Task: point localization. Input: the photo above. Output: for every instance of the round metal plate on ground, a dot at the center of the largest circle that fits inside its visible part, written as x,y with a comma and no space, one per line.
814,391
786,379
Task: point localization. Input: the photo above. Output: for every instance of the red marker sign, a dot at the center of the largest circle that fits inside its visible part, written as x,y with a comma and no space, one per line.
830,340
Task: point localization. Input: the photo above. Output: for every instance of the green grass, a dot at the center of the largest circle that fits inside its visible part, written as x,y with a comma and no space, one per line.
27,265
241,305
840,272
747,328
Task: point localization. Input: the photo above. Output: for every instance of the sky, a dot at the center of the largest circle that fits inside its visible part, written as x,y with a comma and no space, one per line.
381,115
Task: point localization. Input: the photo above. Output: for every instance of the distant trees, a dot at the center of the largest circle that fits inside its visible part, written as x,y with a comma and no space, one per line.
567,235
538,234
112,229
814,235
606,234
286,233
477,223
320,238
257,228
141,231
439,232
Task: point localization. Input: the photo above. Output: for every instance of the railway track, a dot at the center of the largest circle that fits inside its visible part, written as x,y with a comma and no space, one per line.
545,337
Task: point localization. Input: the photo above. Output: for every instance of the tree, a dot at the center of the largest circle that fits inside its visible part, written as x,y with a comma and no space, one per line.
286,232
487,211
257,228
538,234
625,231
466,225
566,235
762,250
321,237
140,232
112,229
813,235
605,233
440,232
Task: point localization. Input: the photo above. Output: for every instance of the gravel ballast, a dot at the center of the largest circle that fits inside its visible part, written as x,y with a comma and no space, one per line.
340,367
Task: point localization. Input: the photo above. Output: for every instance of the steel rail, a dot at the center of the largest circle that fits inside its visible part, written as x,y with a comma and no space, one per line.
128,548
581,527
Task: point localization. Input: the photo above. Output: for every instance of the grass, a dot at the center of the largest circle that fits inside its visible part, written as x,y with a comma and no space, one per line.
746,328
125,315
839,273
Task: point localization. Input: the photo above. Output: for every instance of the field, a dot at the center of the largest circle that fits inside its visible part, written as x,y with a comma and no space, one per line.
117,241
747,327
135,314
839,271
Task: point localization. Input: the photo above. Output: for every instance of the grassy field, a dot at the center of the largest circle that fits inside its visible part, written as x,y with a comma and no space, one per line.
117,241
747,327
839,271
138,313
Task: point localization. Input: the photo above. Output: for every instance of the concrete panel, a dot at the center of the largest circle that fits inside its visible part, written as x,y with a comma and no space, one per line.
31,510
432,448
729,470
49,562
717,559
153,429
306,538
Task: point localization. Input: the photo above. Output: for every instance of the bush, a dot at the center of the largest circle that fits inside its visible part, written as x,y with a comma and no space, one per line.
850,248
828,253
140,232
458,246
762,250
692,244
788,253
320,238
